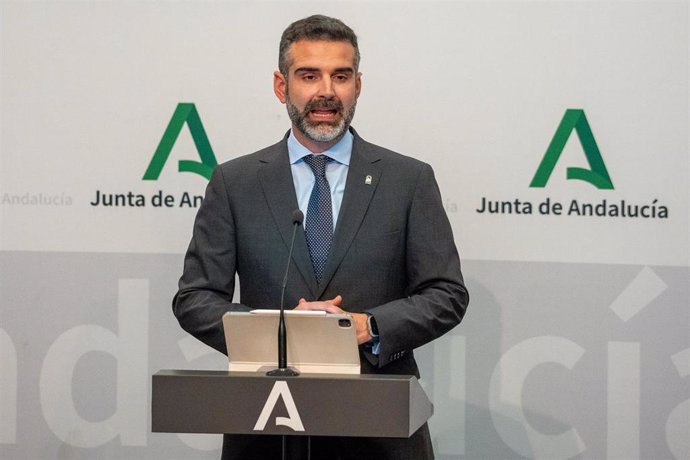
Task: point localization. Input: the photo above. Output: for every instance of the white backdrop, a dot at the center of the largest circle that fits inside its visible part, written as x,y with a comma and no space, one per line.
576,343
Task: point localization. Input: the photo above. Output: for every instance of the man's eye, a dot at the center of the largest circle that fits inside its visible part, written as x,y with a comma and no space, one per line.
309,77
340,77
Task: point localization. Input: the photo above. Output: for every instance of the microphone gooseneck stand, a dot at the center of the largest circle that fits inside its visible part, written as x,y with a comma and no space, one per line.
283,370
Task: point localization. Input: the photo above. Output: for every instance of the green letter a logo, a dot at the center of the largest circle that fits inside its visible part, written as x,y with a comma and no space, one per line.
597,175
184,113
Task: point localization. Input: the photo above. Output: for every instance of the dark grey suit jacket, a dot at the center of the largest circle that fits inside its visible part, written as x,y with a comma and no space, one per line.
392,255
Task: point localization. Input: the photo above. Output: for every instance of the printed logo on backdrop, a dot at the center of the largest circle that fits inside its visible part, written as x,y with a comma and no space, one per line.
597,175
185,114
575,120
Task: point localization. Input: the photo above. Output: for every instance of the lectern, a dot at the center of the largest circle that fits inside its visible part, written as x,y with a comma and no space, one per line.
308,405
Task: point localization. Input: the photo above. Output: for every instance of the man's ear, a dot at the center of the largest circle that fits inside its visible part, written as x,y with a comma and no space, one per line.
280,86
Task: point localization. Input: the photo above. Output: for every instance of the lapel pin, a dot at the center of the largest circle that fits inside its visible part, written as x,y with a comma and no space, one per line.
367,180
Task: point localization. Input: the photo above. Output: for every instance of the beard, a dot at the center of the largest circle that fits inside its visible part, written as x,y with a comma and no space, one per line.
321,131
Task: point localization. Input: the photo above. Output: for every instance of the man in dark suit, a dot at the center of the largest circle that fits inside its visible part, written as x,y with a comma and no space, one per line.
376,243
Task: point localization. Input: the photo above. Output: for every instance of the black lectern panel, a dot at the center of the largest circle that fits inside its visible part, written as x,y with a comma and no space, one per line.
308,405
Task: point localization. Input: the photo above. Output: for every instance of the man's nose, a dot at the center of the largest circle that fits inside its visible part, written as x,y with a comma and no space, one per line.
326,88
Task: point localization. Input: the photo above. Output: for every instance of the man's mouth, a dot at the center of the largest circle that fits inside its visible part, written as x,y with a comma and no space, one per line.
323,114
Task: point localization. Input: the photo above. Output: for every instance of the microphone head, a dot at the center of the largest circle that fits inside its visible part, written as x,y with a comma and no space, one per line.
297,217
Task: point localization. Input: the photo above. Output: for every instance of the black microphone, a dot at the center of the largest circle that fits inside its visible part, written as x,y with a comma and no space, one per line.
283,370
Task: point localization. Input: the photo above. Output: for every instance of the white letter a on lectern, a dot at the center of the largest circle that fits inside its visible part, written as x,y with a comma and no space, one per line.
280,389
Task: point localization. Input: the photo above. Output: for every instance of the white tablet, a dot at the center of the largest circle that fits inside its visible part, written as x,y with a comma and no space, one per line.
317,342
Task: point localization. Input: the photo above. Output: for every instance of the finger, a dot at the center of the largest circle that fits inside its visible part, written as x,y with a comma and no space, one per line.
302,304
334,309
311,306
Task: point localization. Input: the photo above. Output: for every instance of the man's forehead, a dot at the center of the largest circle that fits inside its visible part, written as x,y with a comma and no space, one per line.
317,53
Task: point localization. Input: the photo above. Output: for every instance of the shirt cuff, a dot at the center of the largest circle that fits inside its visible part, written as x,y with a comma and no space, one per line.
376,346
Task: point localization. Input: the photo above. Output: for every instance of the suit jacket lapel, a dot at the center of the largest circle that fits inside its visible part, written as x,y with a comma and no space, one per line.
276,180
362,179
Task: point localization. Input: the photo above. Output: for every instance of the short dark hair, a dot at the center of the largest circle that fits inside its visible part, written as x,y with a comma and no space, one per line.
316,27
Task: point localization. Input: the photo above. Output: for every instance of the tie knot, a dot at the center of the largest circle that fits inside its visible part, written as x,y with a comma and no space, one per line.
317,163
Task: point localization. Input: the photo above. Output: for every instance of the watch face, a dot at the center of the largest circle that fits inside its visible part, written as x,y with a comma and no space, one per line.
373,328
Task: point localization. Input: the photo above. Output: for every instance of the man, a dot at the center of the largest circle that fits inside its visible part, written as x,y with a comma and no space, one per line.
376,241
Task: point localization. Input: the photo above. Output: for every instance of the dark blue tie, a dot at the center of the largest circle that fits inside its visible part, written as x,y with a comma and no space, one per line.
319,225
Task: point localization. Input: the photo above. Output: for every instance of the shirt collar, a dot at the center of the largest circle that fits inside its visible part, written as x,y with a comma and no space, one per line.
340,152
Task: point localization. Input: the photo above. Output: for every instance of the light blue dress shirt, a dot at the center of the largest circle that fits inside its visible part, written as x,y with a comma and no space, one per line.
336,172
